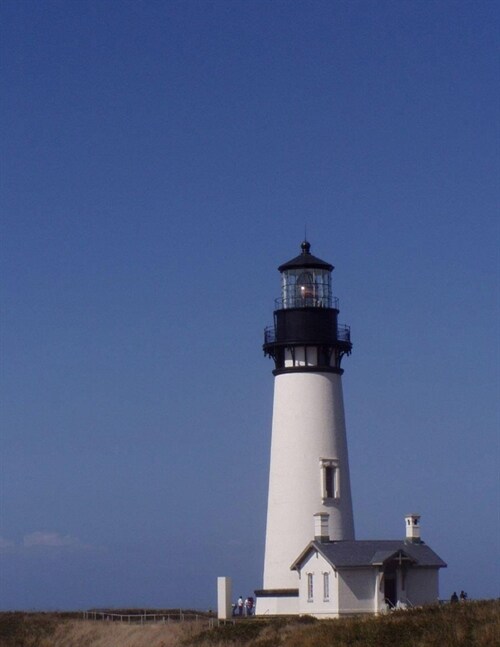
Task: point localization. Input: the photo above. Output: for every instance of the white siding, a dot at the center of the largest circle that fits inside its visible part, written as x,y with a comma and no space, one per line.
357,589
317,566
277,606
422,586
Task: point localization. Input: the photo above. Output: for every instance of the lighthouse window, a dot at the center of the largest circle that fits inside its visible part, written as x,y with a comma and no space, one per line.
310,587
300,356
305,289
312,356
330,480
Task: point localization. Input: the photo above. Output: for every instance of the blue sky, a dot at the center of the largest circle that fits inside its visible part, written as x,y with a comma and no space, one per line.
159,161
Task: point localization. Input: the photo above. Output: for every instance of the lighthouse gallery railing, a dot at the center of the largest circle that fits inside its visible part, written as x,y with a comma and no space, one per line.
343,333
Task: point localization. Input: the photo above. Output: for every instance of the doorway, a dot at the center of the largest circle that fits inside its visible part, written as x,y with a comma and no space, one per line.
390,589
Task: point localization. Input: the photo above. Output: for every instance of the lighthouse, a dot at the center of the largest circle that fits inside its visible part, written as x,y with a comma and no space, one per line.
309,485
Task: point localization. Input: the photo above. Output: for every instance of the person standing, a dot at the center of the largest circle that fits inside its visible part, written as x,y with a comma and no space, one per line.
240,605
249,606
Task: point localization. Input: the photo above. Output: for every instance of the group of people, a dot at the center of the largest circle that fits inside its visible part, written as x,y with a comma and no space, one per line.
243,607
455,598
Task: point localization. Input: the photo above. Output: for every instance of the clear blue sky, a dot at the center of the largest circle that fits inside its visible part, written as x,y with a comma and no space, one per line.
159,161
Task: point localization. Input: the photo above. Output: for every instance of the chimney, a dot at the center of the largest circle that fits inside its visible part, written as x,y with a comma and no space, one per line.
412,524
321,532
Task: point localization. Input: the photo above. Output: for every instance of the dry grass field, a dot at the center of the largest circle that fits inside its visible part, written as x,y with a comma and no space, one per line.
67,630
80,633
474,624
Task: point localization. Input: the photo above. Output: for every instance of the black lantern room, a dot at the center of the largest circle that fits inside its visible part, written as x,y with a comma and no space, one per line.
306,336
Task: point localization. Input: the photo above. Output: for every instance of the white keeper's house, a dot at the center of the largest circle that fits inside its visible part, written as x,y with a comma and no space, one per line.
313,564
338,578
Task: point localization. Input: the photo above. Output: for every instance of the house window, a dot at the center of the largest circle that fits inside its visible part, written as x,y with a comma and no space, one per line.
330,479
310,587
326,587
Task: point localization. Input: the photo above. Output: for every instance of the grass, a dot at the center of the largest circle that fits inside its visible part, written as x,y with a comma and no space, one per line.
19,629
474,624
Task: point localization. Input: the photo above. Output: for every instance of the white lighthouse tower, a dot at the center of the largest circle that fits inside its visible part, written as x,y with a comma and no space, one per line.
309,469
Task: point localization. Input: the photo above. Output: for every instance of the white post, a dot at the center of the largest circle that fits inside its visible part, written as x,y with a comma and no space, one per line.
376,597
224,597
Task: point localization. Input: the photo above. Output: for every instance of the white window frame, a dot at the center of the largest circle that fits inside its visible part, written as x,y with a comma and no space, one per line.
310,587
330,466
326,587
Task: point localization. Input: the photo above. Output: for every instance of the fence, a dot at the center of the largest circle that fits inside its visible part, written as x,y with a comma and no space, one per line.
150,618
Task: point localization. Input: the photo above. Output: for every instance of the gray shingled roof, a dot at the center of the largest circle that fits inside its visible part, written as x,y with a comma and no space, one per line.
371,553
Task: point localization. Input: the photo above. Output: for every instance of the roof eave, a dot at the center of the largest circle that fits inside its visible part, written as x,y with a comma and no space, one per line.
312,545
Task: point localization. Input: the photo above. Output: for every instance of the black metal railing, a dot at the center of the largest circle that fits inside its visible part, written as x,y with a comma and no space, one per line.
306,302
269,334
343,333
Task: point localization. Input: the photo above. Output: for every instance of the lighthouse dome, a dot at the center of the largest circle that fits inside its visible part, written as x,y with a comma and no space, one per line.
306,259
